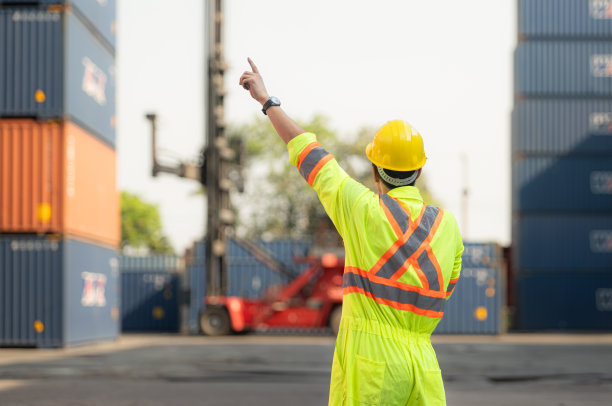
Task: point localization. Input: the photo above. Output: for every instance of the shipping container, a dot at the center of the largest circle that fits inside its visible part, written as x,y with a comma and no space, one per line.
57,178
568,301
99,15
149,301
563,184
57,292
477,303
549,243
155,262
247,277
481,255
562,127
538,19
563,69
66,72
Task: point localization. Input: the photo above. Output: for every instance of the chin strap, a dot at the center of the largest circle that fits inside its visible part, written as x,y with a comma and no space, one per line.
396,181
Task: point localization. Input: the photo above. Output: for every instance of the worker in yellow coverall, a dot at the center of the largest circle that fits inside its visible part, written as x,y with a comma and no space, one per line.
403,259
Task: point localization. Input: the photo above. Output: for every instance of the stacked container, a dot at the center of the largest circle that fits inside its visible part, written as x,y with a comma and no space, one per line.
58,179
150,290
562,165
477,303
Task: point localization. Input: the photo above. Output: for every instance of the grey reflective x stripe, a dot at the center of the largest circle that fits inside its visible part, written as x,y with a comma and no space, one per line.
450,287
429,270
411,245
393,293
311,160
397,212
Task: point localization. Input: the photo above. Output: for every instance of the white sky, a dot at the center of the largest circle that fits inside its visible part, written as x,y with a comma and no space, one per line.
445,66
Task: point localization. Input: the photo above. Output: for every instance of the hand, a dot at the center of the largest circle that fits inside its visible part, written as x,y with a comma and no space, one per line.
253,82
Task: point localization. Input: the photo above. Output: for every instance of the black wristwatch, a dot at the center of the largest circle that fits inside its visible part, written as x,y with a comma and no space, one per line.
272,101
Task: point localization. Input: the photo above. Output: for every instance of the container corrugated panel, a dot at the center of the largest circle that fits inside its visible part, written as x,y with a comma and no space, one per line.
554,127
564,19
31,292
563,69
167,263
289,252
57,178
475,306
562,243
57,292
99,14
149,301
573,301
91,286
66,73
562,184
481,255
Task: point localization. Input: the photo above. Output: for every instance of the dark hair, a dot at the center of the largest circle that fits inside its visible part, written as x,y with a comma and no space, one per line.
396,175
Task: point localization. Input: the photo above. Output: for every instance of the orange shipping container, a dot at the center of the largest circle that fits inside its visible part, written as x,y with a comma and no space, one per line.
57,178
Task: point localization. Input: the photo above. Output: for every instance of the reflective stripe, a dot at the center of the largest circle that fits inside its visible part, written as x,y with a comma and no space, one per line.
396,214
399,258
429,270
394,296
310,161
451,286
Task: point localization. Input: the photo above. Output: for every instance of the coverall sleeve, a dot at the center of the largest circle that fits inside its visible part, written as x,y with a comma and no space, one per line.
457,265
337,191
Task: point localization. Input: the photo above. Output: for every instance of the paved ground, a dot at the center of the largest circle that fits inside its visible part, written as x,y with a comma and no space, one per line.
273,370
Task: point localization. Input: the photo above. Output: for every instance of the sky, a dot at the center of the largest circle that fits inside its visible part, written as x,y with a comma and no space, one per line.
444,66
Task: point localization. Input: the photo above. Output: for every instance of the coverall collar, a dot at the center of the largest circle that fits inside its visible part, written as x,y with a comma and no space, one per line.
406,192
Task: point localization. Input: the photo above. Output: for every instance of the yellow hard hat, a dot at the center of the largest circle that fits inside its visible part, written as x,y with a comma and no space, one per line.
397,146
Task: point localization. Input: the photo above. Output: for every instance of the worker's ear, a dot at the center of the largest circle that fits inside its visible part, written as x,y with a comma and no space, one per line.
375,172
419,174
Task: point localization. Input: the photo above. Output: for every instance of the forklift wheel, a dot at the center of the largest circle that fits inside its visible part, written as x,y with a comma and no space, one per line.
334,319
215,321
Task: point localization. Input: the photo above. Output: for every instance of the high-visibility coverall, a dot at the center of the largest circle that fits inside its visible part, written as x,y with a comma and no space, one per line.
402,261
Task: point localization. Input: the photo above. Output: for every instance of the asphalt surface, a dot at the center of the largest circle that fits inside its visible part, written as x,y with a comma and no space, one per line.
290,370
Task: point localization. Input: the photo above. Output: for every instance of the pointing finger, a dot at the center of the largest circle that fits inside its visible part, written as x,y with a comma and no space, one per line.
253,67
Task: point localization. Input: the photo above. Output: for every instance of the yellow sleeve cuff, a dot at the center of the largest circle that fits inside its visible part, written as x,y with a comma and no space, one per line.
296,145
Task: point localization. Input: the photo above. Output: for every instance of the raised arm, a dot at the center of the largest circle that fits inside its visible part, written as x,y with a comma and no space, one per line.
285,127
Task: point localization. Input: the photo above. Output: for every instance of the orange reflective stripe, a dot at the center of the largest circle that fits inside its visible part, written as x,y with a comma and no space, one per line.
317,168
305,152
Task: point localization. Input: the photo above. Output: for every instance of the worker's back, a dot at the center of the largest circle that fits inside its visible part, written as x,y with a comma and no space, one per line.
403,259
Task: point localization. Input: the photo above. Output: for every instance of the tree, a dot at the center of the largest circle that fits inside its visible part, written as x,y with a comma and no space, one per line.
141,227
278,203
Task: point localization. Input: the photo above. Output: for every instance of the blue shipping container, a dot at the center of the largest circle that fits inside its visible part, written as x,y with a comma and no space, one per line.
99,14
555,127
562,184
562,243
563,69
574,301
564,19
57,292
246,276
149,301
51,66
476,304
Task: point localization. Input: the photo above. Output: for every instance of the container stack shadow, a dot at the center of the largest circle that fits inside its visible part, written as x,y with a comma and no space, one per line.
59,203
562,165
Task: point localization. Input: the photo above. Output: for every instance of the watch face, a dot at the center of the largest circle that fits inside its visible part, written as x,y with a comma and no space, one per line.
275,101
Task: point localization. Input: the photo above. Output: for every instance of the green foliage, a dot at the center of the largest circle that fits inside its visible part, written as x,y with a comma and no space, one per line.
141,226
278,203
